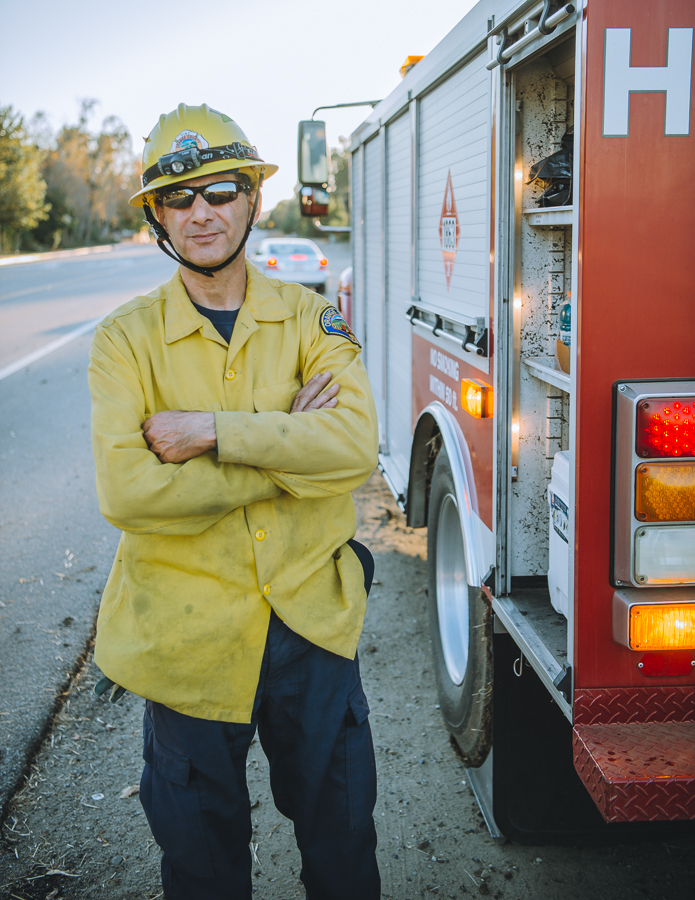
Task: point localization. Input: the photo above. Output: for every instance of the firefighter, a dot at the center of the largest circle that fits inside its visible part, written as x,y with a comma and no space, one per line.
226,456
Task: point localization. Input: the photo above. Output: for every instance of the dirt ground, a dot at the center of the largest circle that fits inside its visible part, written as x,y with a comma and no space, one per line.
76,829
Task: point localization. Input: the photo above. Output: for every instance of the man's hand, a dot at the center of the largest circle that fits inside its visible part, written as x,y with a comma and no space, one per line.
177,436
310,396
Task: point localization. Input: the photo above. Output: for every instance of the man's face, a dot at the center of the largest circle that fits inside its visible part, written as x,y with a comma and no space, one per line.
203,234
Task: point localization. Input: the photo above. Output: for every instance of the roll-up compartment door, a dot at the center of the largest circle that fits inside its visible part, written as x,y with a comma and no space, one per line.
453,188
374,273
398,295
357,245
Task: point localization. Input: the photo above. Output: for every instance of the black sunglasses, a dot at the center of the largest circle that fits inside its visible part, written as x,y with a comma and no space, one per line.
214,194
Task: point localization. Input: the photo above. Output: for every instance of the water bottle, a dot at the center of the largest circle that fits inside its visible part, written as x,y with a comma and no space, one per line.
566,321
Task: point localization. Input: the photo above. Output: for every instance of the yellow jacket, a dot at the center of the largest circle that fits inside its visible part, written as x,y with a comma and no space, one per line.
210,544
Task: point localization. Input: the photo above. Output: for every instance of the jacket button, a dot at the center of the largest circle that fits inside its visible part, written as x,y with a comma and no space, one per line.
260,535
230,375
266,589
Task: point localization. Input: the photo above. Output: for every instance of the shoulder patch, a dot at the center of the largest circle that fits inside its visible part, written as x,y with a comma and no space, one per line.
333,323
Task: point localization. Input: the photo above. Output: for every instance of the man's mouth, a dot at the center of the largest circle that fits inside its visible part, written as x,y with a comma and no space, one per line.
204,237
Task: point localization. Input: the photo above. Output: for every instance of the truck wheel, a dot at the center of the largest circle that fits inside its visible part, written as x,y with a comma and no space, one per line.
460,625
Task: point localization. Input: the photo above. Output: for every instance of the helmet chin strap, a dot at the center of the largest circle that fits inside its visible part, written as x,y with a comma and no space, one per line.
162,235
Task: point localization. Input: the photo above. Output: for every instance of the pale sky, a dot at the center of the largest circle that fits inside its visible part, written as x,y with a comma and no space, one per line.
266,63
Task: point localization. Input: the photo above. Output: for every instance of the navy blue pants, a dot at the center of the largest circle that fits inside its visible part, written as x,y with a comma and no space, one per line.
311,714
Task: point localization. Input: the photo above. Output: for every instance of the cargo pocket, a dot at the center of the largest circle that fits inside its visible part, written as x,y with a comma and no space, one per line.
360,762
170,797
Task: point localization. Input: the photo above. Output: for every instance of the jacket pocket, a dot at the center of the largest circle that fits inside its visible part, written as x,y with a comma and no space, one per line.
170,797
276,397
360,761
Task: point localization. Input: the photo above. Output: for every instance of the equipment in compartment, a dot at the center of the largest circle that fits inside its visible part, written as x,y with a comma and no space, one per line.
558,501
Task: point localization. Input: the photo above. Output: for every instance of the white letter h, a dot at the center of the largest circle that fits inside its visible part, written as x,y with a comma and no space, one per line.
620,79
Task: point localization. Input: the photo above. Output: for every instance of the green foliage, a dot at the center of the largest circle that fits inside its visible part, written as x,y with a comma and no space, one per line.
286,216
86,176
22,189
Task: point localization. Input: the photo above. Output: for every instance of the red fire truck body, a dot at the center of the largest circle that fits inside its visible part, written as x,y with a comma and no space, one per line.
571,696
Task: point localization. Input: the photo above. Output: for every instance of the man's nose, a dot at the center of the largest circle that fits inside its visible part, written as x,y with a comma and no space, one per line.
201,211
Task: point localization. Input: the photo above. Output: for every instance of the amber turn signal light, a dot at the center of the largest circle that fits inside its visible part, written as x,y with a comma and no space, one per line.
665,492
476,398
659,619
668,626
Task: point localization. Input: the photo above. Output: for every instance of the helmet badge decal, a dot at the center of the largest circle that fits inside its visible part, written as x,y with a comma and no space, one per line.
188,139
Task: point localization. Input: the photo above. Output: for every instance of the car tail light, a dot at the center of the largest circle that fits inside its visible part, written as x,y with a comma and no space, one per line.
666,427
323,262
476,398
271,261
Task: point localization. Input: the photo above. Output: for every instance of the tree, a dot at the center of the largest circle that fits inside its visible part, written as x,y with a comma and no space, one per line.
89,176
22,188
93,174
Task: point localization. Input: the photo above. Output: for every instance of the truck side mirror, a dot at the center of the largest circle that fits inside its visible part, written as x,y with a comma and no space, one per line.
313,161
313,201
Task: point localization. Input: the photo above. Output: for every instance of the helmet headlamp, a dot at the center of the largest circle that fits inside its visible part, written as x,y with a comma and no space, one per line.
182,160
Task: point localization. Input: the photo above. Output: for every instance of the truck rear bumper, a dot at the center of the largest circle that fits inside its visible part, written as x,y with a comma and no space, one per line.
638,773
634,749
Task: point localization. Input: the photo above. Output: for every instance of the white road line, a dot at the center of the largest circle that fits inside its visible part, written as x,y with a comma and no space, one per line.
55,254
48,348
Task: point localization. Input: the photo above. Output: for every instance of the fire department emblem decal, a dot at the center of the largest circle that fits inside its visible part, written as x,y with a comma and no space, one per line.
333,323
449,230
187,139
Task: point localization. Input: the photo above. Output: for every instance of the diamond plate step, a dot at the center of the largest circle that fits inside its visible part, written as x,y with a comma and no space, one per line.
638,772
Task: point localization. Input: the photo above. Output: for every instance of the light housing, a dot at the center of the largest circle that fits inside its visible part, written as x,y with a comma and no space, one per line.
653,488
477,398
659,620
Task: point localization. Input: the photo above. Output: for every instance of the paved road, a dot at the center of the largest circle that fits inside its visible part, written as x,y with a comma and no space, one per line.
55,548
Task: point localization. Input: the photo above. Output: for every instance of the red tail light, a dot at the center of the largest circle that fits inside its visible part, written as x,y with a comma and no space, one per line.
666,427
323,262
271,261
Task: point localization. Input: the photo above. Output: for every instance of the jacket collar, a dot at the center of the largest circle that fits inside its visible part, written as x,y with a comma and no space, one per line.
263,303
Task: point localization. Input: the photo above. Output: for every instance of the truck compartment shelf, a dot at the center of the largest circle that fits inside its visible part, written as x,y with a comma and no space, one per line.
541,634
543,368
550,215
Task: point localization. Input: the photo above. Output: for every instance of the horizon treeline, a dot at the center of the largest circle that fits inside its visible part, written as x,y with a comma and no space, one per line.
65,188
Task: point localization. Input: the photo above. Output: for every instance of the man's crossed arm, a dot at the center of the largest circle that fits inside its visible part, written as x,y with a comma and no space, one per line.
176,436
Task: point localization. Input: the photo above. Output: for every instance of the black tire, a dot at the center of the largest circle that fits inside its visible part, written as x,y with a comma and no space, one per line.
462,653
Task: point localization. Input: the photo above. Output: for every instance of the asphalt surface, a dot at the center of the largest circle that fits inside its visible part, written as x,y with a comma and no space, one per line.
55,548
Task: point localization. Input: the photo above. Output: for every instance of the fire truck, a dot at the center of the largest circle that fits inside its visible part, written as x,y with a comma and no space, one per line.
523,218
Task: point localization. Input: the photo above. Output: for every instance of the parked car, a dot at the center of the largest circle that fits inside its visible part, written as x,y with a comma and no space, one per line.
293,259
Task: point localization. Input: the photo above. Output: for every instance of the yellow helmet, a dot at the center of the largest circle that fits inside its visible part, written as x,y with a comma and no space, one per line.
193,141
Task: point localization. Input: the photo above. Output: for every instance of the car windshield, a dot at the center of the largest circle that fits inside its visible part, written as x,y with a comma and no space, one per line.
288,249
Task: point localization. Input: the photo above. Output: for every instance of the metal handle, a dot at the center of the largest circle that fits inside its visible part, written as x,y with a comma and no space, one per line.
507,52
